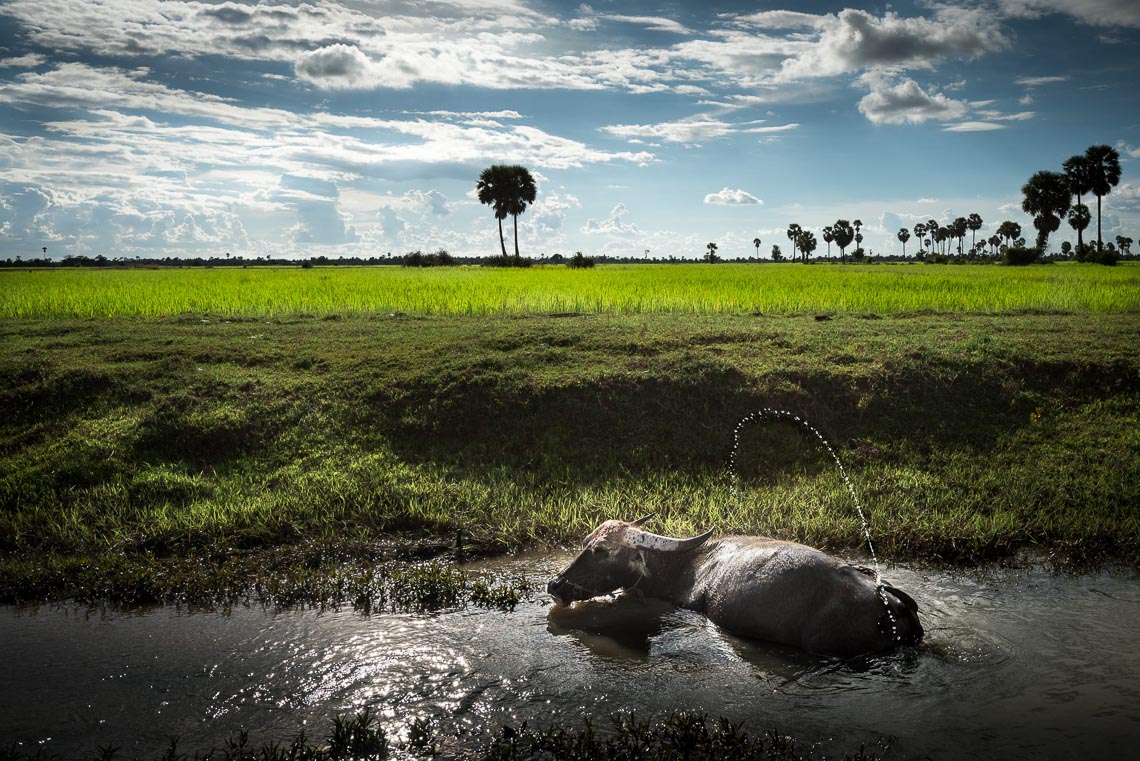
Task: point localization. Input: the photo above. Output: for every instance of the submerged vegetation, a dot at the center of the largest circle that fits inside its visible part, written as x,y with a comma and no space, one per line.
621,289
968,437
358,737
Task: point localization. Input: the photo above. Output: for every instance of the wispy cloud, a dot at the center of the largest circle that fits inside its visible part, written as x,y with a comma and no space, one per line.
973,127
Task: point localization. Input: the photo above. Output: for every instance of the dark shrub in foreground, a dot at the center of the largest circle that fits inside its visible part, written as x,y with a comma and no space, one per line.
507,261
579,261
1016,256
682,736
419,259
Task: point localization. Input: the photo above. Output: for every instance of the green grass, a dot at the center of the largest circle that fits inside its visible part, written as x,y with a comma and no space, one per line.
612,289
967,437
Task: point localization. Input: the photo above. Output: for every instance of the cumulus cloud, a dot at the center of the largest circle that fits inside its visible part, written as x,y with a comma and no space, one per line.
853,40
611,225
906,103
335,67
729,197
549,212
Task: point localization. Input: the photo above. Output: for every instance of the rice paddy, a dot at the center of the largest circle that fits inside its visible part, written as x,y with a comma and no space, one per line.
885,289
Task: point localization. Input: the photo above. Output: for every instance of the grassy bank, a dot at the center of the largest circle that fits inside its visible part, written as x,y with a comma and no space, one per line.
614,289
968,437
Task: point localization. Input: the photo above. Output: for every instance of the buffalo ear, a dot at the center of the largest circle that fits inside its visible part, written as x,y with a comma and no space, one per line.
642,519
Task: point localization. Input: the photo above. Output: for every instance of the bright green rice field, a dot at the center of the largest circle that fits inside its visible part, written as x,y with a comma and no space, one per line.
613,289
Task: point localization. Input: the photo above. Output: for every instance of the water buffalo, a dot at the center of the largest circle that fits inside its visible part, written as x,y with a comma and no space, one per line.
751,586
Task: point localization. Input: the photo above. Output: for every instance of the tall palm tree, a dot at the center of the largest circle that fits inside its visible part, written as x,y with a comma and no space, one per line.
508,189
958,230
858,225
1079,218
522,192
492,190
756,242
844,234
1104,175
1008,230
974,222
994,241
807,243
828,236
920,233
1046,198
1076,169
712,252
904,236
794,231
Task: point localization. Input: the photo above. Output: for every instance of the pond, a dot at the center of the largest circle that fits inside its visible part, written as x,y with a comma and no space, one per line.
1016,664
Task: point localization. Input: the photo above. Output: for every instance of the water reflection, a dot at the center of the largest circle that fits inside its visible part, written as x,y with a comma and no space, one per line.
1014,664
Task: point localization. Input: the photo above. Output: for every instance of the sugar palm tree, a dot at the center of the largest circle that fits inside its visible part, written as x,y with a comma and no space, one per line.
994,241
712,252
920,233
756,242
858,225
844,234
1046,198
492,188
1076,169
794,231
828,236
958,231
1079,218
1104,175
522,192
904,236
807,243
974,223
508,190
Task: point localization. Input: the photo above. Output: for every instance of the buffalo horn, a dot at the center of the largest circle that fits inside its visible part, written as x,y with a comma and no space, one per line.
648,541
642,519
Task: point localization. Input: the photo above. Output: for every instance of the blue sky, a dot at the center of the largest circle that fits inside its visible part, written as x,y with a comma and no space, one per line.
168,127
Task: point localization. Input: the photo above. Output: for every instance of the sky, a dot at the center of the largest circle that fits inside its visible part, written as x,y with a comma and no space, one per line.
156,128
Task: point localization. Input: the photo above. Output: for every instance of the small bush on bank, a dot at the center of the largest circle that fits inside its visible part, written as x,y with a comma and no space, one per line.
1017,256
580,261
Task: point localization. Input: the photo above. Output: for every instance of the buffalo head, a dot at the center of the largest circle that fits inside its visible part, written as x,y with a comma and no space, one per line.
614,557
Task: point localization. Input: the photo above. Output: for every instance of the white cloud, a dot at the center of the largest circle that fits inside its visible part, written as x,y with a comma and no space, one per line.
854,40
693,130
906,103
768,130
549,212
653,23
1111,13
611,225
339,67
730,197
973,127
1038,81
29,61
781,20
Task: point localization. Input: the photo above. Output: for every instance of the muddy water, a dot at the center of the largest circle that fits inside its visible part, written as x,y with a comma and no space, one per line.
1016,664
